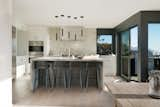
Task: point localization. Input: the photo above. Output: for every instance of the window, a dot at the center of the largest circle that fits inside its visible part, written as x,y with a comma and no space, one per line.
134,39
129,53
104,44
154,46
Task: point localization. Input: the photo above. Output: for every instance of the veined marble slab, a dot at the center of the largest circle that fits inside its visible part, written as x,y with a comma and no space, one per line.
66,59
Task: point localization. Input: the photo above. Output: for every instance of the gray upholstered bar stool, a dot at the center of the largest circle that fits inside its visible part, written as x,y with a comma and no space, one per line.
41,70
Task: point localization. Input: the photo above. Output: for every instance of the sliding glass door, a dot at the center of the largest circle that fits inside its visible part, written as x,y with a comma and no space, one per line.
129,53
134,53
125,54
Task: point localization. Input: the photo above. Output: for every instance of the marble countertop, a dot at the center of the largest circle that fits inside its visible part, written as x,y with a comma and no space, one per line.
49,58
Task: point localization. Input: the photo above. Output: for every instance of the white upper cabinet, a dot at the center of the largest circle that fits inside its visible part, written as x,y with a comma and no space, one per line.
70,33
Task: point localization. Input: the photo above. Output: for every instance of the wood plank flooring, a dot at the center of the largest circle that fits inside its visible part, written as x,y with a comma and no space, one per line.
58,97
130,94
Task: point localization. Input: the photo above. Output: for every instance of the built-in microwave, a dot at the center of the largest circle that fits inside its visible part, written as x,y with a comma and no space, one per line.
36,48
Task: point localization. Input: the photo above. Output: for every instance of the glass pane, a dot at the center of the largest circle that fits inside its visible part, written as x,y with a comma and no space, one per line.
125,50
104,44
153,46
124,66
134,38
125,47
134,50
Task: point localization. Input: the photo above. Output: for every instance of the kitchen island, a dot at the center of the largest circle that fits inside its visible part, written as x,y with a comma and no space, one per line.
82,72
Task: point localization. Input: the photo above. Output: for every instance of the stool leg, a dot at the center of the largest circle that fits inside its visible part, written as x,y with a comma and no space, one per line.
70,78
55,79
35,80
69,75
65,79
98,75
46,79
86,75
82,76
49,79
52,77
81,69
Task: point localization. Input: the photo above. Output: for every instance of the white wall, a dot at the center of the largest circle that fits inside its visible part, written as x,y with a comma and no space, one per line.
22,42
48,35
31,34
84,47
5,54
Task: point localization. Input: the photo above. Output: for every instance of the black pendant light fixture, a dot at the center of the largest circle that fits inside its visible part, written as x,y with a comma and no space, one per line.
78,18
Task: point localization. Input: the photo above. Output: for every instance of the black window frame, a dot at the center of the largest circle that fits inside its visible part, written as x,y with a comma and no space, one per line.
104,31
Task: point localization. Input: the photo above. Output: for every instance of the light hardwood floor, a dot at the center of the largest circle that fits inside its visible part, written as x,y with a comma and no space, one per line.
130,94
58,97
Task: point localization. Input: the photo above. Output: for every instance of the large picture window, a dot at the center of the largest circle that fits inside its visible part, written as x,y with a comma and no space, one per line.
104,44
154,46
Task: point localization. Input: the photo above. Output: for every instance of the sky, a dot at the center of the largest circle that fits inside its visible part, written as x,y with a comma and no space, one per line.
154,37
134,37
105,39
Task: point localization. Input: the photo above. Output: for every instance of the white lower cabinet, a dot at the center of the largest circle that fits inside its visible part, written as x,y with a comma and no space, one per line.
109,65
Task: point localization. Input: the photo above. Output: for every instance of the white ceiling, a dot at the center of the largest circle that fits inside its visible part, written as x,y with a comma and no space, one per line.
97,13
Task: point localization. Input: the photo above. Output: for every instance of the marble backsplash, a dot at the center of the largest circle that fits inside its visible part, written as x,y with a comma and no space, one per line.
82,47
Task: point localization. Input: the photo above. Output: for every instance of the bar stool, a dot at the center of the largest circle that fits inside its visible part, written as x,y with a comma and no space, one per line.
57,65
98,71
84,75
70,75
54,73
67,75
41,67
